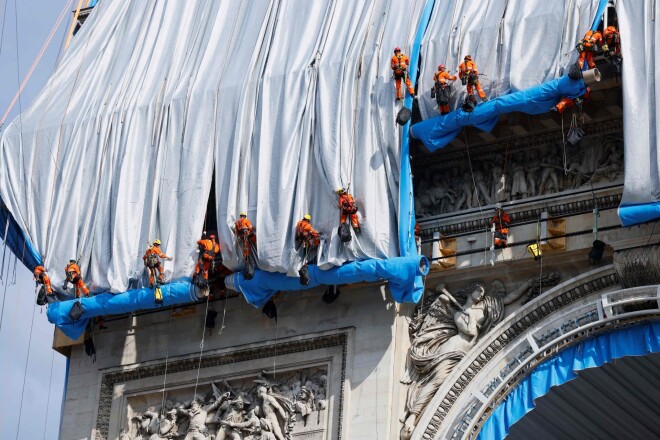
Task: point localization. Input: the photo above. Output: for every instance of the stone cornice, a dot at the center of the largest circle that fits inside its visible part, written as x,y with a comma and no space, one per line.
553,300
564,205
193,362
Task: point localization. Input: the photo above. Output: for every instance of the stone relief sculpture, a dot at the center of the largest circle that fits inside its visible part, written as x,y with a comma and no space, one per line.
258,409
443,329
518,175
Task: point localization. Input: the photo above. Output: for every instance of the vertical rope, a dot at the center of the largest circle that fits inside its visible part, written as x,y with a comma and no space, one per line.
201,346
50,382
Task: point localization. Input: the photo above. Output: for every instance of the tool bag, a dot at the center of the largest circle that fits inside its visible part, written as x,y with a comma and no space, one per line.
304,275
344,232
444,94
474,78
403,116
248,270
158,296
76,311
42,300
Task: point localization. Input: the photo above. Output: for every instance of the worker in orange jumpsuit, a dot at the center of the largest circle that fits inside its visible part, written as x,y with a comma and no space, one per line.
208,248
151,260
399,64
348,208
567,103
612,47
469,75
442,88
309,237
588,46
73,276
501,221
245,231
41,277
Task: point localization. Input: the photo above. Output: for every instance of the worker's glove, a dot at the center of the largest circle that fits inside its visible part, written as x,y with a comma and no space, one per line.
579,47
65,286
604,47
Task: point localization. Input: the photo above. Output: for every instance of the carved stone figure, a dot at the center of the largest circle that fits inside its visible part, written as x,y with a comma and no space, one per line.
481,191
533,169
551,165
612,166
498,178
274,412
231,421
444,328
167,427
197,415
519,179
305,403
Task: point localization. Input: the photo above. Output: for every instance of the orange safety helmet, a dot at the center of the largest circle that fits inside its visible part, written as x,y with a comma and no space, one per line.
397,49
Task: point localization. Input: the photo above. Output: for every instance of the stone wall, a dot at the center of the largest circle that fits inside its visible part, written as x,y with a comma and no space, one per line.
349,354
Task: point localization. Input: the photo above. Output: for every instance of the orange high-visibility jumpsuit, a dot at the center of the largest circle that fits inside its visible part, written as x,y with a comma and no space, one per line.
441,77
567,103
209,250
611,37
245,230
73,276
399,66
41,277
306,233
156,252
348,210
590,43
501,221
468,68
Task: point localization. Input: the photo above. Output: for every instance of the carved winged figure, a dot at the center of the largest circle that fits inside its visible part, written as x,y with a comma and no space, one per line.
443,332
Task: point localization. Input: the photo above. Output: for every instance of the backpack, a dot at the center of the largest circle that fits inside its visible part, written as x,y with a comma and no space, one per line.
151,261
403,116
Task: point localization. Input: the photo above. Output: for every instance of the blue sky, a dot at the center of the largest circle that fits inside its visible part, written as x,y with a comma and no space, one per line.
23,323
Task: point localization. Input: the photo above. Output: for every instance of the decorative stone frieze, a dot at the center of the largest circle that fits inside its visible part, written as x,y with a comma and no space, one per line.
243,405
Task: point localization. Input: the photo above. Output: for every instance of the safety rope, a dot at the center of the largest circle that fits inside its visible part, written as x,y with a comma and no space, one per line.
476,192
167,357
27,358
36,60
59,139
4,250
2,32
201,345
50,382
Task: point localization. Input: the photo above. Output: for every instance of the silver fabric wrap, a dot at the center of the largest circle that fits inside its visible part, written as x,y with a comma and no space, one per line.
640,43
288,100
516,44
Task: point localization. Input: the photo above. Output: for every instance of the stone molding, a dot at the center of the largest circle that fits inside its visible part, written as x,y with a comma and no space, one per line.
564,207
341,338
557,298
